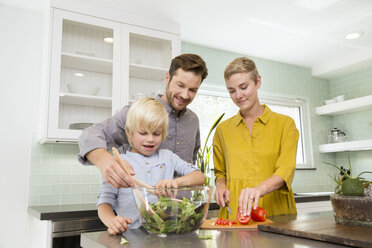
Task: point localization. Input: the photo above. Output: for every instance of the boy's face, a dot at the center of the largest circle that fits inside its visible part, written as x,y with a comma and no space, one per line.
146,143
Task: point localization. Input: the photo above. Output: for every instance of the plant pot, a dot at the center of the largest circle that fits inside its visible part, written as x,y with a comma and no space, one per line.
352,210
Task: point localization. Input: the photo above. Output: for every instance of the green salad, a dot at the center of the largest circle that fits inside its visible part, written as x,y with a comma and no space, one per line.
172,217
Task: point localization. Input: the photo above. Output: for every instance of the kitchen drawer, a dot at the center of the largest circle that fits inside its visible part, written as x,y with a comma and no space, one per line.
73,227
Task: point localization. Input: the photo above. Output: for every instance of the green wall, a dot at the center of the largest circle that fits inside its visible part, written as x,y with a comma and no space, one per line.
357,126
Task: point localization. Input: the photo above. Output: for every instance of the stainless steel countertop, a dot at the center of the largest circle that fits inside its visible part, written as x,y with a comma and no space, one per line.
221,239
73,211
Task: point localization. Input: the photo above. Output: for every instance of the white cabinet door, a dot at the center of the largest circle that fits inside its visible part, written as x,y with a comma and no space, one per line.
97,67
84,73
146,57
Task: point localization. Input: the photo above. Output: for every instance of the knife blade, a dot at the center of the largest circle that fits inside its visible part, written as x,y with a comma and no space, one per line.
228,208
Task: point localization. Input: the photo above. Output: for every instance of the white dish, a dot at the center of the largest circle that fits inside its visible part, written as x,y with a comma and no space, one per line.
80,126
83,88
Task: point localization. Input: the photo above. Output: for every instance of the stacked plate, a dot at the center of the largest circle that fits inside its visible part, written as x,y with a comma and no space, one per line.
80,126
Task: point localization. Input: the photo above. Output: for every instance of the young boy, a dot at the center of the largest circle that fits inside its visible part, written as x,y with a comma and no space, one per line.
146,127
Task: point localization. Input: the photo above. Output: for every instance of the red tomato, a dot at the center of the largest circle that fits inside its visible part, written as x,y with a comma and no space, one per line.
223,222
243,219
258,214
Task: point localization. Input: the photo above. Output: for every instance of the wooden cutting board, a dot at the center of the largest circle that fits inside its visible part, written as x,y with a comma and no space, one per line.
323,229
209,224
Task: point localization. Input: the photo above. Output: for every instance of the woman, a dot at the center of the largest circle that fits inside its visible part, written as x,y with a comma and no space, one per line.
254,152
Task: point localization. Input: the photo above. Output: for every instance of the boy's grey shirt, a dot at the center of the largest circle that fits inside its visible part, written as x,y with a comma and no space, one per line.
162,164
183,134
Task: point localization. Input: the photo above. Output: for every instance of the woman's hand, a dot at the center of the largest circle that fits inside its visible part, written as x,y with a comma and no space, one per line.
222,194
249,198
118,225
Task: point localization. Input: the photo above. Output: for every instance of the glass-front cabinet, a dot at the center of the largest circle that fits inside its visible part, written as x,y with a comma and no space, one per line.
150,53
98,66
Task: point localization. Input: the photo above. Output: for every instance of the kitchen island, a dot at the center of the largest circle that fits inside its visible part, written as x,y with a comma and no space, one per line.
237,238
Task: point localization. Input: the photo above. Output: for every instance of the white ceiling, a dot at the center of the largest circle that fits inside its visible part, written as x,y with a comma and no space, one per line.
307,33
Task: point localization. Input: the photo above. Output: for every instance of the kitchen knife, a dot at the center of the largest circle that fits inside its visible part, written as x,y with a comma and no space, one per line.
228,208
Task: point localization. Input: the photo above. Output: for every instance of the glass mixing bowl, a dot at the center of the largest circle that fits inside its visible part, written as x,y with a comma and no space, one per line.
169,212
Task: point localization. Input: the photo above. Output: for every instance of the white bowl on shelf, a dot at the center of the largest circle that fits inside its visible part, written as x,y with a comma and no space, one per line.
83,88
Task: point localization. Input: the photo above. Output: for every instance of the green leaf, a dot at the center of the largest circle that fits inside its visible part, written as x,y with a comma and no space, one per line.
210,131
363,173
123,241
205,236
345,173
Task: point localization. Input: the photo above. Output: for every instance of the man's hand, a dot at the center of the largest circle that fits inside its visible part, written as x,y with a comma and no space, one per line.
110,169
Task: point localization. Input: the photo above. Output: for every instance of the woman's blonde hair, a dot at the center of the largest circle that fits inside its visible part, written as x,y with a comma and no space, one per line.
241,65
146,114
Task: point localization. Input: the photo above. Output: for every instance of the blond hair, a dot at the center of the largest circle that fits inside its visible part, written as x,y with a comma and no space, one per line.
146,114
242,65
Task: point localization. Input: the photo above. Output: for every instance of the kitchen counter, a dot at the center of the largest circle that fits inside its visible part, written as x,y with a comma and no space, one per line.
62,212
73,211
236,238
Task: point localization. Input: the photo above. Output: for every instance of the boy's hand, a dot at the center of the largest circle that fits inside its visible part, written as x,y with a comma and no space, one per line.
118,225
166,183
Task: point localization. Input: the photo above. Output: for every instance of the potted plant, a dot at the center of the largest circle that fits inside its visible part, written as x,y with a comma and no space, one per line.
351,203
204,155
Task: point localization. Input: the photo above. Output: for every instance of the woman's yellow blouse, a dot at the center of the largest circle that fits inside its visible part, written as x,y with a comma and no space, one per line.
245,160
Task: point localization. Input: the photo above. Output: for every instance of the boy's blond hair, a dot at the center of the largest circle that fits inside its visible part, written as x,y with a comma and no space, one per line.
146,114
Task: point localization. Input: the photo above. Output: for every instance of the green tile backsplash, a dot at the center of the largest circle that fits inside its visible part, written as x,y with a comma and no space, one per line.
56,177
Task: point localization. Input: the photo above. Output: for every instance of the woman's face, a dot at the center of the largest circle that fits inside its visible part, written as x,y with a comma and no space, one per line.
243,90
146,143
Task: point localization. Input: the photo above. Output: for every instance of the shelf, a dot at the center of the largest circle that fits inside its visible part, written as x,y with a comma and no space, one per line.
348,106
147,72
85,100
86,63
359,145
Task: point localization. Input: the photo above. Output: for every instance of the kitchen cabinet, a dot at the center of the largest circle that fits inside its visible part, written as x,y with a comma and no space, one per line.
344,107
150,53
311,207
97,66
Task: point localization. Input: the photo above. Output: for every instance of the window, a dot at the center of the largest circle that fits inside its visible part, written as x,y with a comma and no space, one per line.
218,102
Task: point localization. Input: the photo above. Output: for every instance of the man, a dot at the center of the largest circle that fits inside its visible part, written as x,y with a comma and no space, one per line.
183,80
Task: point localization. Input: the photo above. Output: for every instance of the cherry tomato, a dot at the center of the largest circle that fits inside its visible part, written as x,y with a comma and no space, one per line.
258,214
243,219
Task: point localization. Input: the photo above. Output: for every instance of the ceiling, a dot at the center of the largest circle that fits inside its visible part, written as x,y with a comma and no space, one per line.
309,33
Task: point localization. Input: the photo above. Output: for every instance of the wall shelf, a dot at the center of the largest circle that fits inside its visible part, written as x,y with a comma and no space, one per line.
359,145
348,106
147,72
85,100
86,63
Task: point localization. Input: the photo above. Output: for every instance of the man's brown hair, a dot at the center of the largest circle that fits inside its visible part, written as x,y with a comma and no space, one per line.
189,62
